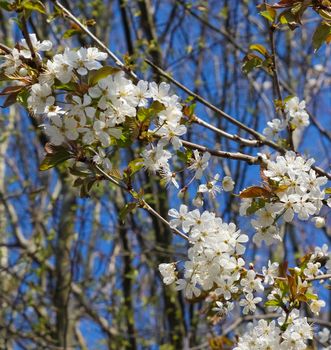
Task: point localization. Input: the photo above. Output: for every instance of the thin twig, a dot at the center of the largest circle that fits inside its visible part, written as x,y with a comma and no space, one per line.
205,102
74,19
26,35
229,155
236,138
275,79
142,203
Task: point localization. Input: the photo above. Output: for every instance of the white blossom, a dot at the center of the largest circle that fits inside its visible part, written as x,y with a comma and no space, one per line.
44,45
40,98
12,62
199,164
168,272
228,184
249,303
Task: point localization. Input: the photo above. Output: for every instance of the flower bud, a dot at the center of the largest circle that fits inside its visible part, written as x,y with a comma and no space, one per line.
228,184
23,72
319,221
198,201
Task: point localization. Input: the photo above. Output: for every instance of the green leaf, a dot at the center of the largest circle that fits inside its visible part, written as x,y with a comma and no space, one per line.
287,17
124,141
22,98
70,32
272,303
57,156
269,14
311,296
101,73
128,208
328,190
250,62
255,206
186,156
145,114
6,5
67,87
289,97
325,14
259,48
135,165
34,5
321,33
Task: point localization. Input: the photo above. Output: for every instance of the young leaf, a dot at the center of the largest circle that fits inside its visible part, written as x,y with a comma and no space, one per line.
128,208
255,206
4,4
259,48
272,303
321,33
283,3
250,62
325,14
269,14
70,32
287,17
58,155
135,165
254,192
34,5
101,73
311,296
11,90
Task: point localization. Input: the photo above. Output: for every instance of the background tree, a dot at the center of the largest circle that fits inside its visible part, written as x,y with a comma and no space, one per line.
78,274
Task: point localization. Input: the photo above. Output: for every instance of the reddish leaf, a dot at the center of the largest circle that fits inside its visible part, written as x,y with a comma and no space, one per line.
10,100
292,285
283,269
254,192
283,3
11,89
49,148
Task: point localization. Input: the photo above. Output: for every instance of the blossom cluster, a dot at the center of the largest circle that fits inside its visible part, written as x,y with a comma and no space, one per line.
292,188
296,118
212,187
319,262
269,335
215,262
93,110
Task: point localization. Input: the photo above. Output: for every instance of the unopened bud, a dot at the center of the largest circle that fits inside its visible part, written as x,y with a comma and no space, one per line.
198,201
23,72
319,221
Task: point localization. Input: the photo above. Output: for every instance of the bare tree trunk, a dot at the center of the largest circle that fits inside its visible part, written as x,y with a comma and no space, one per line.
65,324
